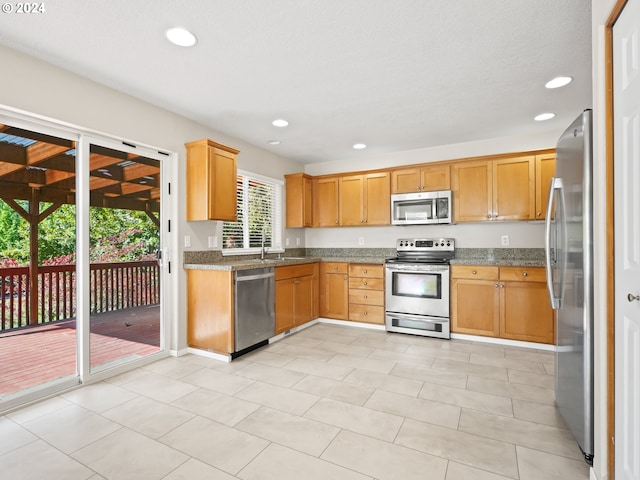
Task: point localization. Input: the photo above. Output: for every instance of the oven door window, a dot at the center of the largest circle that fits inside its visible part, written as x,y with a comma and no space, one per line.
414,284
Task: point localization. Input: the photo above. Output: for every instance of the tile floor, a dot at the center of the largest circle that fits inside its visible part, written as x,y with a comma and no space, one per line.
328,402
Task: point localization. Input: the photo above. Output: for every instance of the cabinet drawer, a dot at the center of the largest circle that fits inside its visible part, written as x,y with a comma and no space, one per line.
366,270
292,271
366,297
474,271
334,267
366,283
366,313
523,274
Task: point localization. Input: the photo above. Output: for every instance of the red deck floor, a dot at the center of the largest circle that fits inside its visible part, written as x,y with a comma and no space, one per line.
34,355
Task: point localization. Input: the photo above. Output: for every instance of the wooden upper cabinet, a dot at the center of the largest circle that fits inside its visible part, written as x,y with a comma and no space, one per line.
298,192
211,181
365,199
500,189
326,194
421,179
472,185
545,171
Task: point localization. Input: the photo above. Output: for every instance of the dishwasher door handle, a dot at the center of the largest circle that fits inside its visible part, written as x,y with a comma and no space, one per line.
255,277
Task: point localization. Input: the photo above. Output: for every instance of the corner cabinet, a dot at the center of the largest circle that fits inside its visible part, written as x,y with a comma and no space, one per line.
298,192
365,199
421,179
505,302
296,295
211,181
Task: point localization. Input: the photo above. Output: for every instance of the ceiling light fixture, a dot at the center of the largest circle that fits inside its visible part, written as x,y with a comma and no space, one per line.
181,37
280,123
558,82
359,146
274,142
544,116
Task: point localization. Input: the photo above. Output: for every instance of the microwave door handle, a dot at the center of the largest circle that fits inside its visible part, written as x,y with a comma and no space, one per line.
434,208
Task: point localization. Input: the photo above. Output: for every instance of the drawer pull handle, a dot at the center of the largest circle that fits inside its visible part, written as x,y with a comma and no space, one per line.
365,313
365,297
364,283
345,277
474,272
525,274
335,268
496,285
364,271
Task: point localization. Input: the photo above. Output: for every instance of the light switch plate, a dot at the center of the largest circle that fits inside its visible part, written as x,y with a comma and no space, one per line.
187,241
213,241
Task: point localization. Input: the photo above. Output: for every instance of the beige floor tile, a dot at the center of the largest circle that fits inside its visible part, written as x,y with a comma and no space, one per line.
427,342
457,471
215,444
297,340
265,357
550,368
383,460
370,364
437,352
147,416
535,379
223,367
299,352
100,396
511,390
215,380
38,460
379,342
464,398
173,367
13,436
298,433
537,413
38,409
216,406
319,368
273,375
130,455
159,387
405,386
357,419
486,350
334,389
196,470
284,399
281,463
417,408
402,357
498,373
520,432
427,374
530,355
127,377
535,465
337,337
482,453
353,350
510,363
71,428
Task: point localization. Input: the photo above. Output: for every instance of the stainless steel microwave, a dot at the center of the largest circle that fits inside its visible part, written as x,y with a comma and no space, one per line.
421,208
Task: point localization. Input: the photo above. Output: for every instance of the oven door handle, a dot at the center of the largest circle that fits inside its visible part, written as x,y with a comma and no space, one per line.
417,268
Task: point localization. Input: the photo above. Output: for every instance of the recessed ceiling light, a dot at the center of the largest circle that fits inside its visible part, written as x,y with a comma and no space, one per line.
359,146
181,37
274,142
544,116
558,82
280,123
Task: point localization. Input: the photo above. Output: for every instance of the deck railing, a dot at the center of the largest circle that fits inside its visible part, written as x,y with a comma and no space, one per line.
113,286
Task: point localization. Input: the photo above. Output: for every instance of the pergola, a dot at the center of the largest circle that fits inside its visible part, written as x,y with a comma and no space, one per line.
41,168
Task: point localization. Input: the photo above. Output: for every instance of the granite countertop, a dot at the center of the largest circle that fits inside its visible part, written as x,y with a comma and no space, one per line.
499,262
246,264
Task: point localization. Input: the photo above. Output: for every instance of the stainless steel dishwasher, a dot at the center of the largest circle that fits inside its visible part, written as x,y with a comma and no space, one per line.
255,320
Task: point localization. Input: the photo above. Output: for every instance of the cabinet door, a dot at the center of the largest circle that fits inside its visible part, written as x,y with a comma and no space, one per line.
325,202
298,200
352,200
545,170
405,180
475,307
525,312
223,181
472,191
435,177
513,188
303,300
334,296
285,309
377,199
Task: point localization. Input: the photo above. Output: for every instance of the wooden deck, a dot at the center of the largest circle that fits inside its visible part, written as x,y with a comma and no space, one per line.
34,355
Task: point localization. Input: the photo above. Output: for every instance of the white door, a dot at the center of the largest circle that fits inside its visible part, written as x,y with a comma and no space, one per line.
626,101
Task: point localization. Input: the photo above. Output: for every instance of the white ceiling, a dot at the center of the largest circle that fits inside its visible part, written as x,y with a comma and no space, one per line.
394,74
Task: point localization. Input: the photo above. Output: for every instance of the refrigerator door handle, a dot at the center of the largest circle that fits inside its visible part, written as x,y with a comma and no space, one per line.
551,258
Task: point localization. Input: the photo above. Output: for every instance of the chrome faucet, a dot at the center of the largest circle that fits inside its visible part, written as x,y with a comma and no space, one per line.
262,249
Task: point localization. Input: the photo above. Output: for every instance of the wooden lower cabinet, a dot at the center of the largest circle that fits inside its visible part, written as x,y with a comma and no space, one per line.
505,302
334,290
296,300
366,293
210,311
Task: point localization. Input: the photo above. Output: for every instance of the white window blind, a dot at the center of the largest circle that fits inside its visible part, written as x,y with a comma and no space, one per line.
259,213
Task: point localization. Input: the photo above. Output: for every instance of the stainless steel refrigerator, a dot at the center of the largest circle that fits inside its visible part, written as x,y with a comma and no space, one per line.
569,265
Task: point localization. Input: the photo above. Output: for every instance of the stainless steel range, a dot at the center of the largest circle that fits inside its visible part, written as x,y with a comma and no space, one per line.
417,287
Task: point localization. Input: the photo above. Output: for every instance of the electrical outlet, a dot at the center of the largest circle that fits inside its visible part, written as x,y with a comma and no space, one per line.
287,241
297,241
213,241
187,241
360,240
505,240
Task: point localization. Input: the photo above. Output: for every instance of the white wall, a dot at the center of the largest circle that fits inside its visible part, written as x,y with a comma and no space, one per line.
34,86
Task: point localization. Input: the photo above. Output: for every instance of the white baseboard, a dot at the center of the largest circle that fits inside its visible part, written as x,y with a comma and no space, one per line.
203,353
503,341
349,323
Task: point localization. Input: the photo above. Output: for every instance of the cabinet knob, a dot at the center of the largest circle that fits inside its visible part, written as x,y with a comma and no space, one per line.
496,285
365,297
538,214
365,313
345,277
525,274
364,283
418,187
336,222
364,271
501,285
474,272
489,215
335,268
